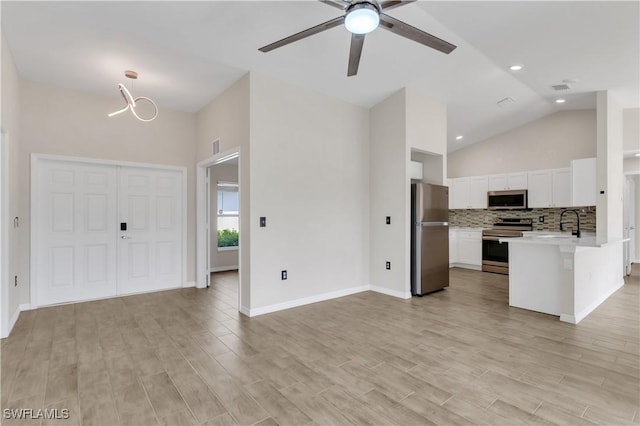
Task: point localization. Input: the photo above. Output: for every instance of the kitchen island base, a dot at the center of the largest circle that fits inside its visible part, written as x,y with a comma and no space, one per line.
568,278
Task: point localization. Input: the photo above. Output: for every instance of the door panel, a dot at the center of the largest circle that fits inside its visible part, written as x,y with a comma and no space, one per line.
150,251
76,245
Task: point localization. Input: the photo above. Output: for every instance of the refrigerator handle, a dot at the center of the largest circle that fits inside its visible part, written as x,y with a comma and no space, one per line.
432,223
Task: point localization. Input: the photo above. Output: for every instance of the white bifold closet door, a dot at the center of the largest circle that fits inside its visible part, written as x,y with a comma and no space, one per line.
106,230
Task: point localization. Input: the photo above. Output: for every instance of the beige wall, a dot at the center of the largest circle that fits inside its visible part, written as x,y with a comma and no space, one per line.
631,129
10,105
549,142
401,124
388,189
66,122
227,118
220,260
309,177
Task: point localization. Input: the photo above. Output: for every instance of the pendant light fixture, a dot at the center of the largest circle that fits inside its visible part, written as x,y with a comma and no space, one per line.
131,101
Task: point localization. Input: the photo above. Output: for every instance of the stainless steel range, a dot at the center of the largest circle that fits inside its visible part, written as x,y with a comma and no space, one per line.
495,255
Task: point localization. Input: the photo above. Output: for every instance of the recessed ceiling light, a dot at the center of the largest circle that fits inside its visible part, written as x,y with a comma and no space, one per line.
459,137
560,101
515,67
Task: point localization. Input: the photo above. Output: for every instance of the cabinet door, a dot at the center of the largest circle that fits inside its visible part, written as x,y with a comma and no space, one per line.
470,247
497,182
453,246
478,188
517,181
583,182
562,187
540,188
459,193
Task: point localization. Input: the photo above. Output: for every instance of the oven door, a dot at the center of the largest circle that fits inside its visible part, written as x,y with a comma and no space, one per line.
495,255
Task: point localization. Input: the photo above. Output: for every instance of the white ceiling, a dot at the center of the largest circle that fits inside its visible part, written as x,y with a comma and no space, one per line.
188,52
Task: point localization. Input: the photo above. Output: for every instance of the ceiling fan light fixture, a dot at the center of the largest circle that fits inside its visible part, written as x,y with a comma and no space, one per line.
362,18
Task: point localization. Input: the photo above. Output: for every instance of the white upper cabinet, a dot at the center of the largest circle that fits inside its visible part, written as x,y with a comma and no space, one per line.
540,189
549,188
507,181
468,193
478,187
562,187
584,189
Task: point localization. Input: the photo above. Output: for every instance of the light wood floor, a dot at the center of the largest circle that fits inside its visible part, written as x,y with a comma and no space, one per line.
460,356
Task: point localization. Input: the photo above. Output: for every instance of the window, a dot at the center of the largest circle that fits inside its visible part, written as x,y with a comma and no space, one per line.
227,206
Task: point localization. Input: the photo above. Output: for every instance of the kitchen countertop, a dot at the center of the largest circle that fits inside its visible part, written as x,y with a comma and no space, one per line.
558,239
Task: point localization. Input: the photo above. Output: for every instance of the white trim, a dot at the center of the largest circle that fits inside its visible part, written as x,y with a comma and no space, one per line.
35,161
575,319
305,301
189,284
228,248
6,323
25,307
29,307
245,311
388,292
224,268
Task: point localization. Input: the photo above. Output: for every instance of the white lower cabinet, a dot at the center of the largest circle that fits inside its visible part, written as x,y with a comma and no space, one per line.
465,248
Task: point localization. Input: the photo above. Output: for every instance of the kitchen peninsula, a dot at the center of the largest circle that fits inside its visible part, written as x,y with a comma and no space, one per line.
559,274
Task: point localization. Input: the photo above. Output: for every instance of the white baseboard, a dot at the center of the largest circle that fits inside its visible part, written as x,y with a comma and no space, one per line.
245,311
304,301
12,322
25,307
224,268
575,319
189,284
388,292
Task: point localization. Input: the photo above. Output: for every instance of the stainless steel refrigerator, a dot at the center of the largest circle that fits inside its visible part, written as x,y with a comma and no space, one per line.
429,238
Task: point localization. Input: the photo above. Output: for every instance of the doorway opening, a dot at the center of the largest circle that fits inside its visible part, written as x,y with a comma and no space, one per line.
219,213
630,220
224,220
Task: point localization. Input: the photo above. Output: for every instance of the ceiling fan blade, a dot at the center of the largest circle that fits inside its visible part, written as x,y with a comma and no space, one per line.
303,34
405,30
357,40
336,3
392,4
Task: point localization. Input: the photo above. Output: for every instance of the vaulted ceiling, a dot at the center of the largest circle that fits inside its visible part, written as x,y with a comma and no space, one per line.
188,52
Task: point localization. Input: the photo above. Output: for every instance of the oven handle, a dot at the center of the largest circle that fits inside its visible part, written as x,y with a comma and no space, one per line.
491,238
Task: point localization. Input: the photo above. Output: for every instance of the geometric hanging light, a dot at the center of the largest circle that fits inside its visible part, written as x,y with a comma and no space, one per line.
131,101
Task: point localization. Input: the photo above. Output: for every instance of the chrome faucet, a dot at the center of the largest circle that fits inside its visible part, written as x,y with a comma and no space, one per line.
577,232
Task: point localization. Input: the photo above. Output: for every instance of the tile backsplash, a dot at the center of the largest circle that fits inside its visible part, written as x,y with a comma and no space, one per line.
486,218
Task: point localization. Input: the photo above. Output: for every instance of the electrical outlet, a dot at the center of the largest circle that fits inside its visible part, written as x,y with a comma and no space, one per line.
263,221
283,275
388,220
15,281
388,265
541,219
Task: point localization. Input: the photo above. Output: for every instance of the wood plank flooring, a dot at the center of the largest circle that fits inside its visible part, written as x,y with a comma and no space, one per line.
460,356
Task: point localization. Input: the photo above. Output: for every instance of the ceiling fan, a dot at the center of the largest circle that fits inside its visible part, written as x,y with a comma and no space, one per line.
362,17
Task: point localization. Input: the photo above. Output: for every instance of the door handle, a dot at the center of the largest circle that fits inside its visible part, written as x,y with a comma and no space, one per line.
124,237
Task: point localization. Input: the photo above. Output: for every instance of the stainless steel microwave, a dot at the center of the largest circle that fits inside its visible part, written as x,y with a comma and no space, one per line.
507,200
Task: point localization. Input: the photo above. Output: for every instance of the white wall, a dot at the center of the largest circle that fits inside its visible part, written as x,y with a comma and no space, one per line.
10,124
66,122
549,142
609,169
227,118
226,259
635,257
309,176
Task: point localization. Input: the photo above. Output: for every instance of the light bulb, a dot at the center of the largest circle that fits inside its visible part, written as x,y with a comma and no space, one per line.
362,19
